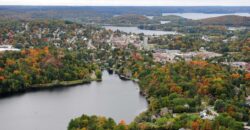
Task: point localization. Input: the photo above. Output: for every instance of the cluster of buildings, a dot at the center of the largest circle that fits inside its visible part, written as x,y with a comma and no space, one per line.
59,36
212,38
124,40
239,65
173,55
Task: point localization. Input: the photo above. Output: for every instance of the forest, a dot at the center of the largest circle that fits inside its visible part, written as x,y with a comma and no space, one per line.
45,67
177,92
199,94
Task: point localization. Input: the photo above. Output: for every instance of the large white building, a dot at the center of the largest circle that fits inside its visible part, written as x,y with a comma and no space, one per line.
8,48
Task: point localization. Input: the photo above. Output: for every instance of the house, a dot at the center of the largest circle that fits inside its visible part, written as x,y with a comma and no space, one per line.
248,100
234,38
248,67
246,127
204,115
206,38
90,45
165,111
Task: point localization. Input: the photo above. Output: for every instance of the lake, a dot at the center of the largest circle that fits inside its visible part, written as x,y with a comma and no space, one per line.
52,109
197,16
136,30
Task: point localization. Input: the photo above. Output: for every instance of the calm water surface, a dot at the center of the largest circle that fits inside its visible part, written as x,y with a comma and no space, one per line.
53,109
136,30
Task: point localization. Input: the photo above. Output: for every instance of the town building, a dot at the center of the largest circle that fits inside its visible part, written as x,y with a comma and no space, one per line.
8,48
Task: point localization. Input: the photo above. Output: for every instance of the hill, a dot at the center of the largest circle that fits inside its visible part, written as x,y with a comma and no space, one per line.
129,19
228,20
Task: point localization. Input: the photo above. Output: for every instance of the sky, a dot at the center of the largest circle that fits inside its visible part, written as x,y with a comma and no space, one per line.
129,2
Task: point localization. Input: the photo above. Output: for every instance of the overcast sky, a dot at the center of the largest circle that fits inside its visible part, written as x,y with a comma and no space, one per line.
129,2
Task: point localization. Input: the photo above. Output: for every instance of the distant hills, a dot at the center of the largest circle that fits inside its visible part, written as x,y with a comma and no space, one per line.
54,11
119,10
228,20
134,19
126,15
129,19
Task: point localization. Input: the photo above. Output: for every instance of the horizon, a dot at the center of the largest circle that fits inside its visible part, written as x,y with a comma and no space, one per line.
126,3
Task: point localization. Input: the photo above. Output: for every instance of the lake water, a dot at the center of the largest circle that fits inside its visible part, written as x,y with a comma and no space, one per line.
136,30
165,22
53,109
197,16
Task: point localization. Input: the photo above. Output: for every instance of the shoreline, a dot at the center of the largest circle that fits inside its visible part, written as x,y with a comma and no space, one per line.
66,84
49,86
125,78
